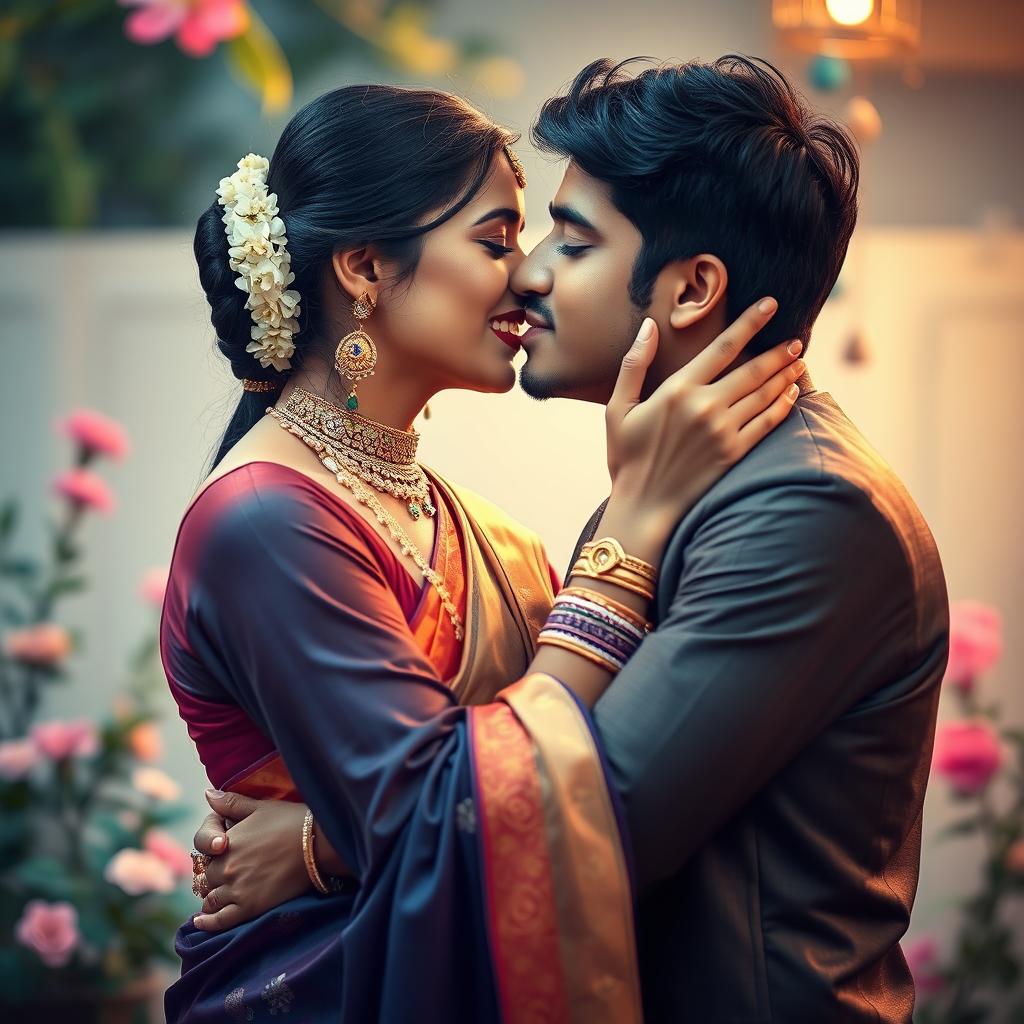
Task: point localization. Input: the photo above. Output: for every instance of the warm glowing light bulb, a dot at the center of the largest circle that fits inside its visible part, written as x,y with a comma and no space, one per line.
850,12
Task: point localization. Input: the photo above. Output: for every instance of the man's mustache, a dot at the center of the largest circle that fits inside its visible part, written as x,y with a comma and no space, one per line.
531,304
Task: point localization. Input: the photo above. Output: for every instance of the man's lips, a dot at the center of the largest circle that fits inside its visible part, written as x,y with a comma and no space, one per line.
507,325
537,325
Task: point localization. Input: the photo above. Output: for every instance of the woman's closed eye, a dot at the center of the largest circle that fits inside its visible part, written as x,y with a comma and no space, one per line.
498,249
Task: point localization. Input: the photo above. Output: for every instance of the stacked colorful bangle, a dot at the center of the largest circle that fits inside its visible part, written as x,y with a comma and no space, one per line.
594,627
605,560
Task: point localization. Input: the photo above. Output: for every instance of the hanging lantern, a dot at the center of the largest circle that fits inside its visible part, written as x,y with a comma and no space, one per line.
855,29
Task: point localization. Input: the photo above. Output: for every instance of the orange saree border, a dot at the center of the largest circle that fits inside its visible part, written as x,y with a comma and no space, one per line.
560,906
517,871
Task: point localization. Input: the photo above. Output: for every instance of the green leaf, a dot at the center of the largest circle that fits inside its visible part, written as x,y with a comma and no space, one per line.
22,568
45,877
959,828
8,518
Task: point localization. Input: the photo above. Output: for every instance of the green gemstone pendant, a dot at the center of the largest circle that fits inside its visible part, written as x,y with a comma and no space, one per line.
353,402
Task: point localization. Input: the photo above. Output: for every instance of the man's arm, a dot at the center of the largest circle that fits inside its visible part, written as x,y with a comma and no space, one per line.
784,599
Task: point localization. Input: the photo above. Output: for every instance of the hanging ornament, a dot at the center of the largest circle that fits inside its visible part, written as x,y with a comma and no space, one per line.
856,351
829,74
864,120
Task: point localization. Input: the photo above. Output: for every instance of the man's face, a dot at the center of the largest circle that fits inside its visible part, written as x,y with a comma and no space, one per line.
574,287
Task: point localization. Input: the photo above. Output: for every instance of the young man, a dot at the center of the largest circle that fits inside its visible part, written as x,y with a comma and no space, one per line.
771,738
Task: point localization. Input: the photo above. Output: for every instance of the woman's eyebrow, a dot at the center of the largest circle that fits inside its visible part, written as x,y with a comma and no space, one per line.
505,213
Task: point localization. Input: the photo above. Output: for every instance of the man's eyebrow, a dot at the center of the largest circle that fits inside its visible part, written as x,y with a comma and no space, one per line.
569,215
505,213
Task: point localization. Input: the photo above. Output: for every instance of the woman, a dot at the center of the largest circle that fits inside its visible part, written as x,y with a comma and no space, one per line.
339,621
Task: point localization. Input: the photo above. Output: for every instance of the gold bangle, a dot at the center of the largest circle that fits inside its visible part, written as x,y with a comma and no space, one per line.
583,652
607,554
611,605
646,591
310,857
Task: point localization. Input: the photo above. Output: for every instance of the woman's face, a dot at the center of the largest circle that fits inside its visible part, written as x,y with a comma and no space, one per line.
438,326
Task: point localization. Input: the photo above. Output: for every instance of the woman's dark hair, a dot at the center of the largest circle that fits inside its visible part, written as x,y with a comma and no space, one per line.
723,158
361,164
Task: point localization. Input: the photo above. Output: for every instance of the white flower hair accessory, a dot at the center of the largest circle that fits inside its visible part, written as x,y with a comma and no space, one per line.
257,253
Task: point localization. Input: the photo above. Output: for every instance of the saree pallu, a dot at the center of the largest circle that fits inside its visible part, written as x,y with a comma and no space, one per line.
491,882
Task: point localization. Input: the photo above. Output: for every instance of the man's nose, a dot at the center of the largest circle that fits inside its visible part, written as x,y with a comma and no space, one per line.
532,276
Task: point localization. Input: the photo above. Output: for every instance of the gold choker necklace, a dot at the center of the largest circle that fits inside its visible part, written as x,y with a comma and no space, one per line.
328,451
379,455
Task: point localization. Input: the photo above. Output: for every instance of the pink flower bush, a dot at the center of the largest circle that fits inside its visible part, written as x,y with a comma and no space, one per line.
137,872
43,644
197,25
975,642
154,586
170,851
923,959
145,742
50,929
17,759
58,740
85,488
967,754
95,433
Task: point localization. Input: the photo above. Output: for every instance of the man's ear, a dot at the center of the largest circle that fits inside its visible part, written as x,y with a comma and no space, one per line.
358,271
696,287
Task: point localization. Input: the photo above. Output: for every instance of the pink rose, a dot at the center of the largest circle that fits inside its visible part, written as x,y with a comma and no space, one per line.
42,644
50,929
170,851
138,872
967,754
1015,858
86,489
145,742
17,758
975,642
198,25
923,960
59,740
154,586
95,433
155,784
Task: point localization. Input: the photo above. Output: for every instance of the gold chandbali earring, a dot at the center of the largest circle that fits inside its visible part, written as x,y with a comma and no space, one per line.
356,354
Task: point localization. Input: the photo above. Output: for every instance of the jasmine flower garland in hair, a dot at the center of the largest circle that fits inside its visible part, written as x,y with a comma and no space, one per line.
257,253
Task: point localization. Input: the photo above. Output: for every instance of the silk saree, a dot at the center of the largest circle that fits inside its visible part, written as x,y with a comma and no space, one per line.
470,799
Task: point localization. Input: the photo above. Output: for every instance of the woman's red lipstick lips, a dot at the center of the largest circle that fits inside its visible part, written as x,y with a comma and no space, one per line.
513,317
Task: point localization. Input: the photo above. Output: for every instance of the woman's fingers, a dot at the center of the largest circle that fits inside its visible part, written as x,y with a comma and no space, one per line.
214,871
723,351
755,403
764,423
231,805
212,837
221,920
633,371
745,379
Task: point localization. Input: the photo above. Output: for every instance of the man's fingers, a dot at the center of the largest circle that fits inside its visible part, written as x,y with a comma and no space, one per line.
220,921
764,423
212,837
722,352
743,380
758,401
634,367
214,873
231,805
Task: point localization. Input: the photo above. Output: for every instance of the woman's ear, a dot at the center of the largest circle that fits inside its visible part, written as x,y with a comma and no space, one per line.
358,271
697,287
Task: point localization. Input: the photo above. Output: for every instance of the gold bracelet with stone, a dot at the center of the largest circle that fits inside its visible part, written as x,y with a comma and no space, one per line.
617,578
324,888
606,560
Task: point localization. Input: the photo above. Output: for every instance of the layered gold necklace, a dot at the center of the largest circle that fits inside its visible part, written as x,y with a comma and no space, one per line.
359,451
